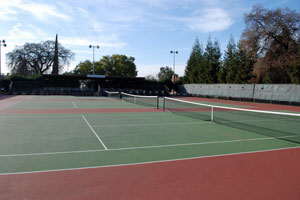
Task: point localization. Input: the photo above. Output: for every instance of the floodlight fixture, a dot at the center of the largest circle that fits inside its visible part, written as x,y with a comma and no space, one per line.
2,43
98,47
174,52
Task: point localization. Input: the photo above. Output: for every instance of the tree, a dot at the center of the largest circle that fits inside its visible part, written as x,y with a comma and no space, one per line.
55,59
237,66
118,65
37,58
115,65
244,66
230,65
86,67
165,74
212,57
150,78
272,39
295,73
194,71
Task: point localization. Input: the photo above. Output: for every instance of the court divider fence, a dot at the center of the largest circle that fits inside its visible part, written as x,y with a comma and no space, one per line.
272,93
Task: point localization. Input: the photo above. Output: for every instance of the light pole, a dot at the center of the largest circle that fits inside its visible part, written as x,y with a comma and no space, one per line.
174,52
91,46
2,43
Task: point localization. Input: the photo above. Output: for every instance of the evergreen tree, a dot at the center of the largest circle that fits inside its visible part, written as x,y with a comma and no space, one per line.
212,57
236,64
244,66
194,71
230,63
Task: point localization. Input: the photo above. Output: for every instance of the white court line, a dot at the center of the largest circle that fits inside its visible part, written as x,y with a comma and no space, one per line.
74,104
154,124
5,107
253,120
187,123
151,162
89,114
146,147
94,132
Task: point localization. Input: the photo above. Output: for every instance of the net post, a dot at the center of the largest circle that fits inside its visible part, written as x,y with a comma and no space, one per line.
212,114
164,103
157,104
134,99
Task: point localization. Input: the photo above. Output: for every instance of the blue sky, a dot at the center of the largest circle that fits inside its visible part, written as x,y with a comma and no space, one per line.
144,29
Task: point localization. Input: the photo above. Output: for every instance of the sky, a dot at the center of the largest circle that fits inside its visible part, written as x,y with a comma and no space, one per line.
144,29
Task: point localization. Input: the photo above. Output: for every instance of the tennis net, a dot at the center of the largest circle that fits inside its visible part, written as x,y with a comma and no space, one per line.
112,94
285,126
148,101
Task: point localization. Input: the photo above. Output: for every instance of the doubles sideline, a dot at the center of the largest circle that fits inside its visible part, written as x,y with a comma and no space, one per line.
144,147
151,162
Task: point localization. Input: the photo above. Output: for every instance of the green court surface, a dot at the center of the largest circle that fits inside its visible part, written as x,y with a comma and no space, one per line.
69,103
40,142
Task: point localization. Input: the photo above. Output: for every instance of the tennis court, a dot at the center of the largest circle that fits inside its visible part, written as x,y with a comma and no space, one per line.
68,147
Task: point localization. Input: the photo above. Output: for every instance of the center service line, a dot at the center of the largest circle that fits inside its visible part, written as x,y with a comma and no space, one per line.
74,104
94,132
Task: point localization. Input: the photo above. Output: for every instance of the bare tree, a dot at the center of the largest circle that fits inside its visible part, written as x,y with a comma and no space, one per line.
272,39
37,58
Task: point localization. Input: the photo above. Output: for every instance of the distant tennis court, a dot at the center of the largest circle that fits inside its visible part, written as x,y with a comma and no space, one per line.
73,147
